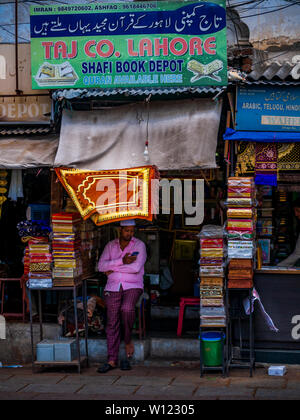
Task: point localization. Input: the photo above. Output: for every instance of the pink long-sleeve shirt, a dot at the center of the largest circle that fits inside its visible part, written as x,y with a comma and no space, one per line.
130,276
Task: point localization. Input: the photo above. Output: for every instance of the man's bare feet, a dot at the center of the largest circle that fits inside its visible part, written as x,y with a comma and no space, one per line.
129,349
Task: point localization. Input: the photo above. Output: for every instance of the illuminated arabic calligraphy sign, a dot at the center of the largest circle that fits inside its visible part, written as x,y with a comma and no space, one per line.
134,44
268,108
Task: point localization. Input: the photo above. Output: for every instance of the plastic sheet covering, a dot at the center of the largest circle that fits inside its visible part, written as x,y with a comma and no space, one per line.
211,231
16,185
23,152
181,134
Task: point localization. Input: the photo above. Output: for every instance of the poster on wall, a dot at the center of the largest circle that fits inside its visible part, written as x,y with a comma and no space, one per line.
129,44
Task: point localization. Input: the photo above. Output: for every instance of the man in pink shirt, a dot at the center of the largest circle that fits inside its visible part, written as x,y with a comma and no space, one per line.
123,262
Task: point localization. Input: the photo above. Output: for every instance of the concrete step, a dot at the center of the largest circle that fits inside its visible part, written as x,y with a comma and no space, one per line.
164,347
150,348
17,346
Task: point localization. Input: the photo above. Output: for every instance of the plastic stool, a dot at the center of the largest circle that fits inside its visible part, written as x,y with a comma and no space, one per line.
185,301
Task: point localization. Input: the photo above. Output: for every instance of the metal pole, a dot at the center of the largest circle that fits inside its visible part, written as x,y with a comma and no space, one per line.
251,332
18,91
31,328
76,327
201,355
84,289
40,316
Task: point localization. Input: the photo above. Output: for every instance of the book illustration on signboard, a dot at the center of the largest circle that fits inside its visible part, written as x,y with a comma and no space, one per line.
209,70
56,74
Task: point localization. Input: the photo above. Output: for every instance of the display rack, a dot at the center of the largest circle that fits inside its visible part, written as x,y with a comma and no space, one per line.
241,228
212,285
233,362
80,358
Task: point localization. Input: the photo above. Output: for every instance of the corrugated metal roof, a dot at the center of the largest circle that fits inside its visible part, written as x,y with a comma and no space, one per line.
12,131
275,70
271,82
95,93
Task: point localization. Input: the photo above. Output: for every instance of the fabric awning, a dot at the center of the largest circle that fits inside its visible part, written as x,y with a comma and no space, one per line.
181,134
24,152
262,136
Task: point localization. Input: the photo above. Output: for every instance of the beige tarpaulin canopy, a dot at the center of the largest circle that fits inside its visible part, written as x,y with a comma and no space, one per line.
24,152
181,134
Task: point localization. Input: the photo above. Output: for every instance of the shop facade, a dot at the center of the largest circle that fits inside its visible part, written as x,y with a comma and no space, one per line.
179,129
174,128
264,146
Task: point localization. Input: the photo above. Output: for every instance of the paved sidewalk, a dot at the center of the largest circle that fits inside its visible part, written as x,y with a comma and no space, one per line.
147,383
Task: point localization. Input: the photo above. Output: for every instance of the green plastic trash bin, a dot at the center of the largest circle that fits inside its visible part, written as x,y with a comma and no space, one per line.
212,348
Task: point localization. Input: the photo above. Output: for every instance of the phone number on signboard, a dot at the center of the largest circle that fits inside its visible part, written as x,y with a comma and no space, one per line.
105,7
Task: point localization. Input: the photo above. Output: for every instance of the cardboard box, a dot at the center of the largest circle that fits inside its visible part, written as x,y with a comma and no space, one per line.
45,351
65,350
184,249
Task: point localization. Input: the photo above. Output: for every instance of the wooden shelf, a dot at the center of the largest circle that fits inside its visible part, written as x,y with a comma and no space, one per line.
282,271
53,363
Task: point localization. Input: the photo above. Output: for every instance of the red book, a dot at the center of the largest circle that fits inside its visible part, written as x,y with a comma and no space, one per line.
66,218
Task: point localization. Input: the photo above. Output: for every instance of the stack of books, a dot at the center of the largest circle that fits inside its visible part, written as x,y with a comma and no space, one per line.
211,273
40,259
66,244
241,227
26,261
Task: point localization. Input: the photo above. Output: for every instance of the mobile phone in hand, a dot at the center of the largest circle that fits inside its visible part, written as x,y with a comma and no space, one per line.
134,254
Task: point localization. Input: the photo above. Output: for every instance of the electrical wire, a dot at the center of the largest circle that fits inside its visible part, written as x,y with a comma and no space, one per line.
270,11
243,3
235,30
13,34
257,1
269,59
95,1
40,2
254,7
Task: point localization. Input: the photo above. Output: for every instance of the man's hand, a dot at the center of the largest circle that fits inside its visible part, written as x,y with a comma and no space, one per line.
108,272
128,259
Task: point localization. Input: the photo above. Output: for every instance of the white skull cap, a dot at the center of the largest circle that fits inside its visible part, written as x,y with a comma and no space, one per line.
127,223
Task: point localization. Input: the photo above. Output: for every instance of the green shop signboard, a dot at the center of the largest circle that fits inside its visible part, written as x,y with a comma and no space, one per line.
129,44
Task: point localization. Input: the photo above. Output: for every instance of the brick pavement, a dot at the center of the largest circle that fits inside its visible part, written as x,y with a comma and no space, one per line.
171,383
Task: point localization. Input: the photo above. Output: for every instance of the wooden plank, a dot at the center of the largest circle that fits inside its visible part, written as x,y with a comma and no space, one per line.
74,362
291,272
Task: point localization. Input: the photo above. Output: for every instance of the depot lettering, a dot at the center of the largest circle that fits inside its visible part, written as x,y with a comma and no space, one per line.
145,47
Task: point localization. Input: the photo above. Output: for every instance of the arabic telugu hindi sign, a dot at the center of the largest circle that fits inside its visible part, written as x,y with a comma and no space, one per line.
128,44
269,108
